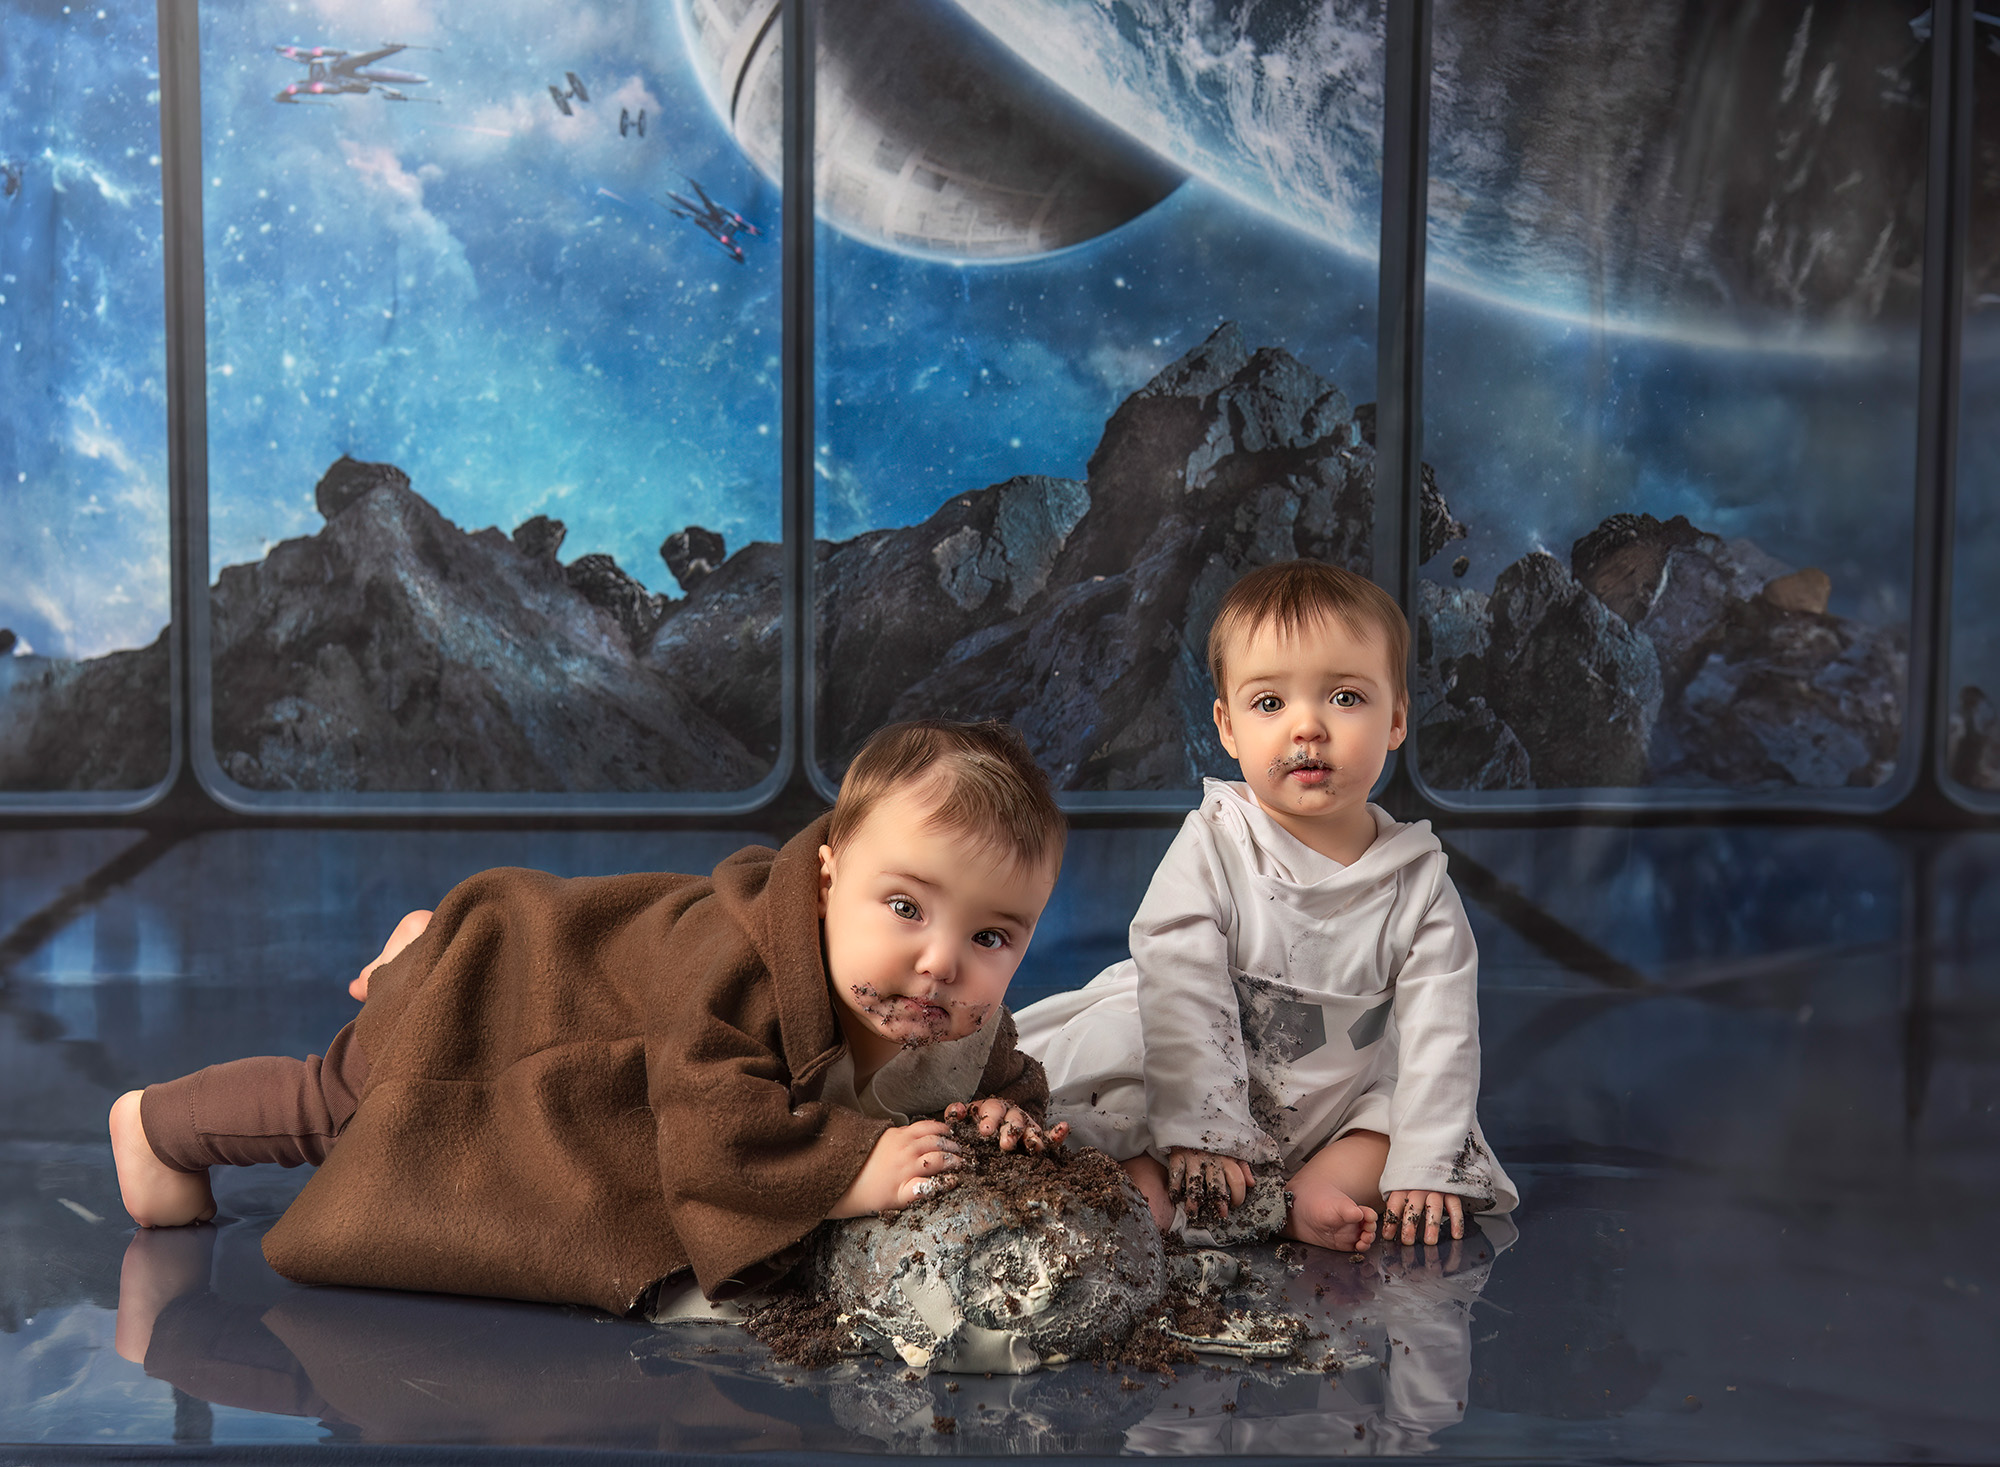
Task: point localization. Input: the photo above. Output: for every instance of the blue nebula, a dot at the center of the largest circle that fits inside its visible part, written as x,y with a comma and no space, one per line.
84,532
481,290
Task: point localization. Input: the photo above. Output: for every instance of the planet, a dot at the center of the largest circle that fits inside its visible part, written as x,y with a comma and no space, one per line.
1690,169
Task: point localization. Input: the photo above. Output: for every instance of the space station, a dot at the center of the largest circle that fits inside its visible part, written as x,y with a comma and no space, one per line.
929,136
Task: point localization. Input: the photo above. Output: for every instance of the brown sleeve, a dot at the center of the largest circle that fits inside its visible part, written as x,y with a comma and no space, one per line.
751,1160
1013,1075
270,1108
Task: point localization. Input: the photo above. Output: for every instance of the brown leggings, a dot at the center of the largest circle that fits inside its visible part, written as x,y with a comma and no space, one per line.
247,1111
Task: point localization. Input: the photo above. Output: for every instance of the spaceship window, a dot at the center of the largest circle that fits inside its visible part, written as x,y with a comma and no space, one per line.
1674,279
86,555
493,418
1972,726
1112,344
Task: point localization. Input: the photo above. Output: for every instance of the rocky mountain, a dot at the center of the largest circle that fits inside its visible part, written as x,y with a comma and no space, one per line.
1078,609
1661,654
394,651
103,723
1227,459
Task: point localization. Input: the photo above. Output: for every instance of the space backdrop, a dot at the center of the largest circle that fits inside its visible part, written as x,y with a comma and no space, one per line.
493,389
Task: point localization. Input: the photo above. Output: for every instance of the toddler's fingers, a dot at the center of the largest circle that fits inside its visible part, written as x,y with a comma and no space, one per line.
1456,1207
956,1111
1176,1175
918,1188
1057,1134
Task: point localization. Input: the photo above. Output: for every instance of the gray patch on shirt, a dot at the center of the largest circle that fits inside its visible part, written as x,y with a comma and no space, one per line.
1277,1029
1365,1030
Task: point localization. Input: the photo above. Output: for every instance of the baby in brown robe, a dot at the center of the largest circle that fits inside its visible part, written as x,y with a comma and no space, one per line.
571,1090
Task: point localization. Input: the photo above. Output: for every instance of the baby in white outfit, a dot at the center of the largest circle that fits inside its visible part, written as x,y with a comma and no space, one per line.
1302,990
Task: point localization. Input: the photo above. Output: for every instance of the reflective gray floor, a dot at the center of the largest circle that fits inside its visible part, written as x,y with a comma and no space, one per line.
1747,1080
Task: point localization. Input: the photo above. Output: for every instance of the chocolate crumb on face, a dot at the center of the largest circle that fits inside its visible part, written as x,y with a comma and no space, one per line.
917,1021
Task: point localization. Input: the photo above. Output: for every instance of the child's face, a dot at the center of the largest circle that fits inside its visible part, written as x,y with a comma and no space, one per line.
923,928
1310,717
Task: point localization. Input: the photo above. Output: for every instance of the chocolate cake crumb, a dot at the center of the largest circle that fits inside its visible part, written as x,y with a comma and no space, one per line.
944,1425
802,1329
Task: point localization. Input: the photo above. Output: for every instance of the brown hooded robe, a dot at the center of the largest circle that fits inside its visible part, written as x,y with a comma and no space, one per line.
578,1087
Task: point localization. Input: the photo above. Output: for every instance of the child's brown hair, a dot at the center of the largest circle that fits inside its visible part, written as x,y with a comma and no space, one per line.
992,787
1292,595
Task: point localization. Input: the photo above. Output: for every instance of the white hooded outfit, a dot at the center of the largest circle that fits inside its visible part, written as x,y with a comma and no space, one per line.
1276,999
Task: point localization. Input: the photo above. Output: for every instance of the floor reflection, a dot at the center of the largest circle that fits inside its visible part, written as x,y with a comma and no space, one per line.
1748,1080
1388,1367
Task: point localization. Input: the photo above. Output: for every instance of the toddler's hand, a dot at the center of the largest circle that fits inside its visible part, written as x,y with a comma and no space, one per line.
1016,1127
407,931
1403,1213
1206,1185
908,1162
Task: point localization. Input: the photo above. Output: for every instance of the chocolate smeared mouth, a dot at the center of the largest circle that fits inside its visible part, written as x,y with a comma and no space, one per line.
916,1018
1294,763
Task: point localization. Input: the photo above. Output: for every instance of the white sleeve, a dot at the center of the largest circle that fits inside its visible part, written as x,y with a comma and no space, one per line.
1434,1138
1197,1081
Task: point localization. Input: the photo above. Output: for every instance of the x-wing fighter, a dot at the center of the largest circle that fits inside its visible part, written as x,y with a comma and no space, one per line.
719,224
331,72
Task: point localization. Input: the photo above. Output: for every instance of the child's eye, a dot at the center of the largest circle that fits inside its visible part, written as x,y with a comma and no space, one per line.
991,937
1267,703
1347,698
905,908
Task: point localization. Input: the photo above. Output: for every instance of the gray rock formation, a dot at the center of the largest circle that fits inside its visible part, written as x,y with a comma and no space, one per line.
1789,698
599,580
692,555
723,645
8,641
1226,460
1578,687
1973,747
348,480
540,538
394,651
1671,656
893,604
99,724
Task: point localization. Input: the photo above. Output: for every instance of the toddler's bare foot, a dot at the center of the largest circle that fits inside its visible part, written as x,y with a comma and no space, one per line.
154,1193
1325,1215
1151,1180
